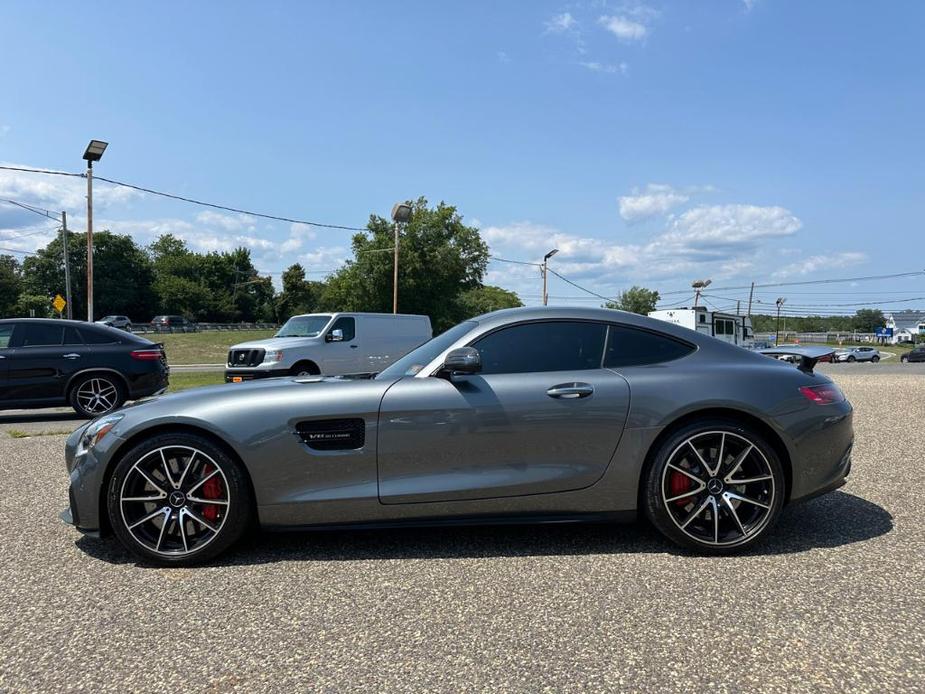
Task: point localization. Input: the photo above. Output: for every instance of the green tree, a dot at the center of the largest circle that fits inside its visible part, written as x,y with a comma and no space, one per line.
485,299
10,285
298,295
439,259
635,300
122,275
866,320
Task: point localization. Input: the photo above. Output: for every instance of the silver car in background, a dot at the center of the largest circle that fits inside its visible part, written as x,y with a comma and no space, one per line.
521,415
853,354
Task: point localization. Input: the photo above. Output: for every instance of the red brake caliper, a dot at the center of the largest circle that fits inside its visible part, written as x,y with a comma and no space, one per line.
212,489
678,484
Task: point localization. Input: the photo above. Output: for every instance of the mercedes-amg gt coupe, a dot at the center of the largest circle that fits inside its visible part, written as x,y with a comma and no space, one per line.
521,415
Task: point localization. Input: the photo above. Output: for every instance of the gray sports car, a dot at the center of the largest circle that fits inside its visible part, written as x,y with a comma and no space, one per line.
522,415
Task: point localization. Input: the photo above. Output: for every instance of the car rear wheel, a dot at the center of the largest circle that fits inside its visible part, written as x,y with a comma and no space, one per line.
96,394
178,499
875,359
714,486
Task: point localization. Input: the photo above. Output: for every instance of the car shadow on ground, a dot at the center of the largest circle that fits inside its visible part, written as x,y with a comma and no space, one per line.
834,520
40,417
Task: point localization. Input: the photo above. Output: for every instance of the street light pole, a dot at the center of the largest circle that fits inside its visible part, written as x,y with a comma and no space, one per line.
780,302
94,152
401,213
67,265
545,272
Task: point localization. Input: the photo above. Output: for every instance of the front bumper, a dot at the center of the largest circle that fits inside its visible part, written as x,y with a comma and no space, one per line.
241,375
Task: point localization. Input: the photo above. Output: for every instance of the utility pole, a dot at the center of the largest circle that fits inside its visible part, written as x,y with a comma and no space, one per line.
698,286
751,293
738,307
401,213
545,272
780,302
67,265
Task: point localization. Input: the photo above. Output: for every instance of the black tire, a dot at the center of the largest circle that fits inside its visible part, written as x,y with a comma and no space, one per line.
665,513
232,525
851,359
305,368
903,359
875,359
110,388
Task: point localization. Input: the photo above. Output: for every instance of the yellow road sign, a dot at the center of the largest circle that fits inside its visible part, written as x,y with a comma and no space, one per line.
59,303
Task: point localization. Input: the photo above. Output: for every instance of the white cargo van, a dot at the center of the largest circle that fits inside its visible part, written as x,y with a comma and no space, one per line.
330,344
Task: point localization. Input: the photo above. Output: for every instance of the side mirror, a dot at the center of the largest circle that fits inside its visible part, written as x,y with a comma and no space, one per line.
336,335
463,360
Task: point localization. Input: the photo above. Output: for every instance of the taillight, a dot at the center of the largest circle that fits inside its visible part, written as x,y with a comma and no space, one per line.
824,394
146,354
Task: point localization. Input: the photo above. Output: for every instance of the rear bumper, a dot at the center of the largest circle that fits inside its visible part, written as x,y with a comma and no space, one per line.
822,453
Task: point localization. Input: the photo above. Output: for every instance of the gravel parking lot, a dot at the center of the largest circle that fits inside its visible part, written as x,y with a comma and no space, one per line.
834,600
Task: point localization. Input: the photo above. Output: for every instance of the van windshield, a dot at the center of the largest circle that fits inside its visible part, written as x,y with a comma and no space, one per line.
303,326
417,359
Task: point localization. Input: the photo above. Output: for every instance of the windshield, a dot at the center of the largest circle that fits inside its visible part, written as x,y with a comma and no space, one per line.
303,326
417,359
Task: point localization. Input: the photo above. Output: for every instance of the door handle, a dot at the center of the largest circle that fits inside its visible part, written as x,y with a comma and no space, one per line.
353,346
72,355
570,391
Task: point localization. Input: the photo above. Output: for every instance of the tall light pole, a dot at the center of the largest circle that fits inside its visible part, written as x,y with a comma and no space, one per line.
545,272
698,287
94,152
780,302
67,265
401,214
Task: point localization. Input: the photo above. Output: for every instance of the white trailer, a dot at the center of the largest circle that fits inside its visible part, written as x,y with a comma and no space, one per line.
728,327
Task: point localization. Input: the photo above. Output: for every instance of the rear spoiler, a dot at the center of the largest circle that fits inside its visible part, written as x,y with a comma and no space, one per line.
807,356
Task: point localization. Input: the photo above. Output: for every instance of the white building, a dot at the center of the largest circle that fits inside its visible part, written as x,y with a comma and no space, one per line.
907,326
723,326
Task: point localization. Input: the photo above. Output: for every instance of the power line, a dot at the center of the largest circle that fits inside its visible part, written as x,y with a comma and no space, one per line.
44,230
917,273
36,210
226,208
578,286
519,262
16,250
48,172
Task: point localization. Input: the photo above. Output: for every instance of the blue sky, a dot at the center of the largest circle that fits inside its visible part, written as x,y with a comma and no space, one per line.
651,142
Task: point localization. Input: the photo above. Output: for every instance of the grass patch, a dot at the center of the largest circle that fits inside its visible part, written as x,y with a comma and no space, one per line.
184,380
210,347
20,434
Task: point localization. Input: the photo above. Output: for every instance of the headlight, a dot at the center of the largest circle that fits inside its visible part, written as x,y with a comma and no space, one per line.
97,431
273,356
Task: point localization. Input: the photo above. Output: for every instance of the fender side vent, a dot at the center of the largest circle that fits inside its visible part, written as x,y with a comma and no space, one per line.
333,434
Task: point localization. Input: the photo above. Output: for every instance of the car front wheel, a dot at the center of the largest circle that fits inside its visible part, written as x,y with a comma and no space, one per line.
178,499
714,486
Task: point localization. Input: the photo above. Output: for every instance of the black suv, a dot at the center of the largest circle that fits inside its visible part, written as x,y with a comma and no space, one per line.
917,354
93,368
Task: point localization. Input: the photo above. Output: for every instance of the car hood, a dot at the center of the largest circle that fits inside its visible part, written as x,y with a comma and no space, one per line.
231,408
271,343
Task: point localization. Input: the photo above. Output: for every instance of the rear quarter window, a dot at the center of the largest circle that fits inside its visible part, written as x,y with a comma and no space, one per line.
635,347
98,337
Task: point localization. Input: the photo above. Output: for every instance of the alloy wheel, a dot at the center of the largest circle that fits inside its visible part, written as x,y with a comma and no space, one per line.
97,395
175,500
718,488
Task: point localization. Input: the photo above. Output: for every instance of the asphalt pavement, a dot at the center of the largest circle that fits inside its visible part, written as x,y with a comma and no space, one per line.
833,601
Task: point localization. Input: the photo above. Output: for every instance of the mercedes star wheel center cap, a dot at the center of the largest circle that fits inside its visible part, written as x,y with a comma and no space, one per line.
715,486
177,499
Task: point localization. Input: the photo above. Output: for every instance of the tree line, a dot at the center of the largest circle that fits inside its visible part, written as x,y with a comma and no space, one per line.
442,264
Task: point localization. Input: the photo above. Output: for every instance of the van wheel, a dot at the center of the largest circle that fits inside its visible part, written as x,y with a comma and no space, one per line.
305,368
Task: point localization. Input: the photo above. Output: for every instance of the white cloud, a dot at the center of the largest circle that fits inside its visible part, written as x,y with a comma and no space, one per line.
503,57
609,68
710,226
561,23
231,222
749,4
655,199
60,192
813,264
624,29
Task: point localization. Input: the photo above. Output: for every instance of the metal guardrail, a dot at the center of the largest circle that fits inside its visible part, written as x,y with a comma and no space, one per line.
145,329
790,336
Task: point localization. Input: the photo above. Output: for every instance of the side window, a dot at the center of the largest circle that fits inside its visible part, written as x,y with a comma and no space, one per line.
543,346
348,325
633,347
72,337
98,337
6,333
41,334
